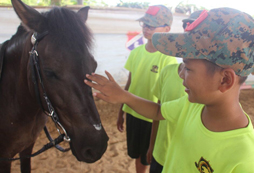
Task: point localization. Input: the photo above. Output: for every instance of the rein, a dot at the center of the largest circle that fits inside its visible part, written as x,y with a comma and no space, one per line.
36,75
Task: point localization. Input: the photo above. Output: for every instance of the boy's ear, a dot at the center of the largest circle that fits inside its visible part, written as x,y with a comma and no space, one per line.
228,79
168,28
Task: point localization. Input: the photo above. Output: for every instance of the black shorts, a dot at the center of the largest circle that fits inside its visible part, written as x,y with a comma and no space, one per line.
138,137
155,167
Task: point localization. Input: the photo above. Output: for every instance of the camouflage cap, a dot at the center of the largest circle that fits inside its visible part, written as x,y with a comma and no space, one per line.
157,15
223,36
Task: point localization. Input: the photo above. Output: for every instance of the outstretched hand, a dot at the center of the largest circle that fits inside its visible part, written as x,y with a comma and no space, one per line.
110,91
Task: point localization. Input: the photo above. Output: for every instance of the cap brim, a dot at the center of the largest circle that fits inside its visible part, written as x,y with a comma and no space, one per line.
176,44
188,20
147,21
140,19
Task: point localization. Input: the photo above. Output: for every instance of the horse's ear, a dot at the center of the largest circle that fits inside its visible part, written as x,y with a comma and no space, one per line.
29,16
83,13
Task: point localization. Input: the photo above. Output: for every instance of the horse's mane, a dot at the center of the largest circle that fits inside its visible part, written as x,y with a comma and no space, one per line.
2,50
67,28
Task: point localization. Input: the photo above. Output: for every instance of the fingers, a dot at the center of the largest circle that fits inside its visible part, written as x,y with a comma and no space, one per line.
97,78
101,96
119,125
91,84
110,90
110,77
149,158
120,128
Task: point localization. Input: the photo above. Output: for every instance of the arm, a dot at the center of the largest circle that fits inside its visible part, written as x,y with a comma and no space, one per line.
120,119
155,126
111,92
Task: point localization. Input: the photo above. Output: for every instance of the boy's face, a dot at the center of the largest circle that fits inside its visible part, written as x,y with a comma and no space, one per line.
200,86
148,33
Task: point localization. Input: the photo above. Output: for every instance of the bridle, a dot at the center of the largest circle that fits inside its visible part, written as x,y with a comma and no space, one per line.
36,76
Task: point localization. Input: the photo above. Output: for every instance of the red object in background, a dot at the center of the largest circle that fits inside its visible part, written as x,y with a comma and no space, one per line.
132,34
134,40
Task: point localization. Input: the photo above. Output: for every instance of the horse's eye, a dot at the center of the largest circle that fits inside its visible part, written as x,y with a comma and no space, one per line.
50,74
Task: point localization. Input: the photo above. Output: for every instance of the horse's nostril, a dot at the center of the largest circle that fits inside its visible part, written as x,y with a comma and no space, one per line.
88,153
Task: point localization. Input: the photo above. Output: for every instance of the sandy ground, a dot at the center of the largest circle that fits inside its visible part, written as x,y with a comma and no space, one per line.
115,159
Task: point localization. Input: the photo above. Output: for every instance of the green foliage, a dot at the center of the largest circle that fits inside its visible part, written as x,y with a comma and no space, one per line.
141,5
93,3
187,8
5,2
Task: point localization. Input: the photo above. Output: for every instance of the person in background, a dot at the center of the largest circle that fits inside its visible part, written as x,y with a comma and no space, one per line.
169,87
212,133
144,65
193,16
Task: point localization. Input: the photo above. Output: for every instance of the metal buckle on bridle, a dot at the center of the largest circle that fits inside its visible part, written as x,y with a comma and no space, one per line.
58,124
51,111
33,52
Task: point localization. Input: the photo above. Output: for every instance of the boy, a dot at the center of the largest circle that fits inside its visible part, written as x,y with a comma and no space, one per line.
212,133
144,65
169,87
193,16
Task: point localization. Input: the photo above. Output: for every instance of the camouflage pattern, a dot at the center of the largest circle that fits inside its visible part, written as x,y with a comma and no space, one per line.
225,37
164,16
193,16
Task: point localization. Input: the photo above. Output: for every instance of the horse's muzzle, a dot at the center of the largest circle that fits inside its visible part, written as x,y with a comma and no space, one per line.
93,149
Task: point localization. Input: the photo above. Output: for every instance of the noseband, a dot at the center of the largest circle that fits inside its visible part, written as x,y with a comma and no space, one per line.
36,76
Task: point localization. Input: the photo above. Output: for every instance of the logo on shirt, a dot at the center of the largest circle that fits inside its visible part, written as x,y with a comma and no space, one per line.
155,69
204,166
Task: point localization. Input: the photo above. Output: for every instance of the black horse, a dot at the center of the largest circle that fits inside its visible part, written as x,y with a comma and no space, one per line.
48,79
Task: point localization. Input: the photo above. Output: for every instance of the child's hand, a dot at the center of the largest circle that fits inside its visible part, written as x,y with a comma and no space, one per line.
120,121
110,91
149,155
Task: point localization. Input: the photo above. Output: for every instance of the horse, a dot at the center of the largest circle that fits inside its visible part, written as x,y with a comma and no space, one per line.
42,69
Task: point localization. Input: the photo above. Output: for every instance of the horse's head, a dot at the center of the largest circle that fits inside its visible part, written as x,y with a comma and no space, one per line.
64,59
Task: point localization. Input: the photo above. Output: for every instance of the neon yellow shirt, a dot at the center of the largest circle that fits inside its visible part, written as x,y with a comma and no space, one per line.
169,86
194,148
145,68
